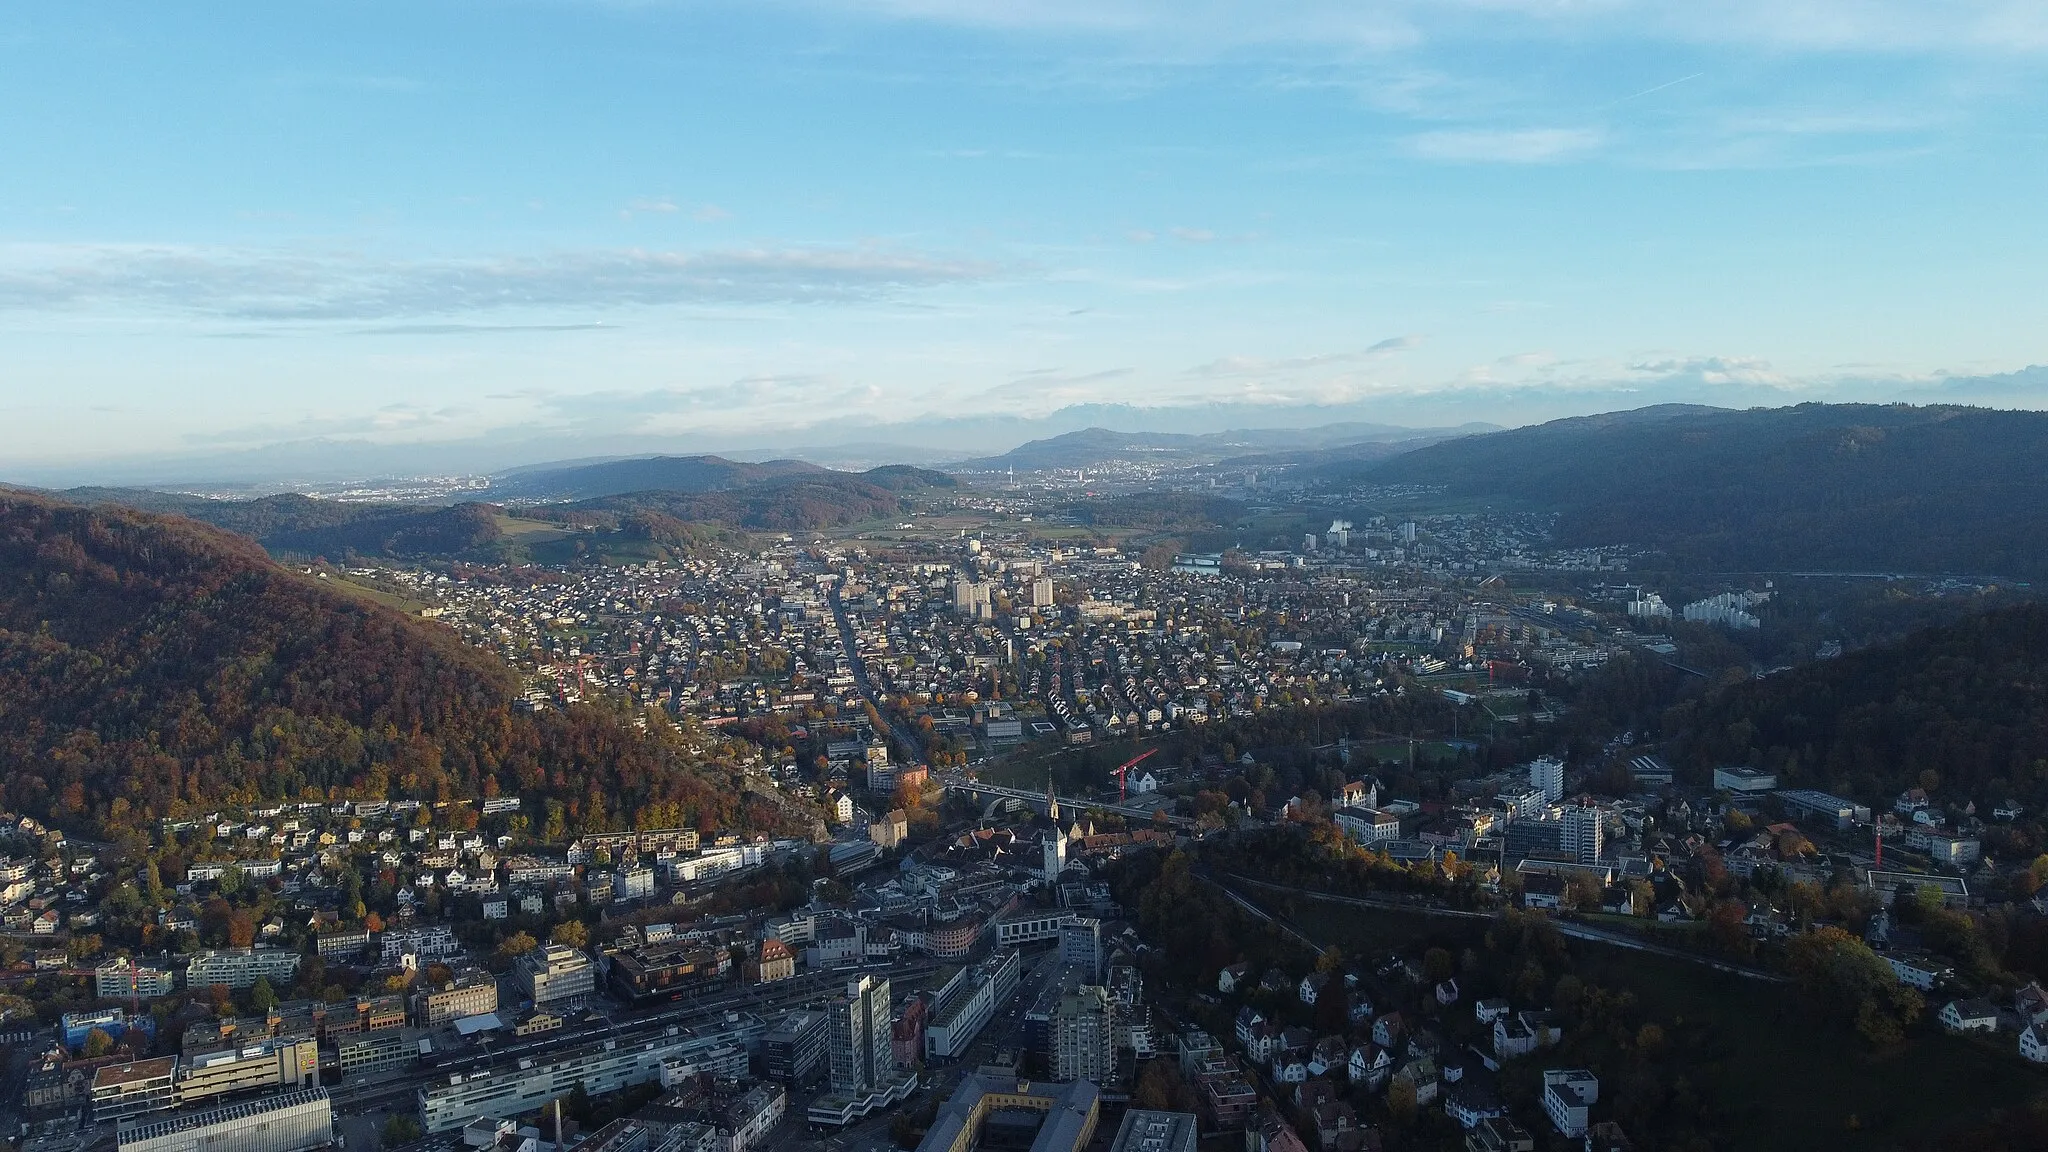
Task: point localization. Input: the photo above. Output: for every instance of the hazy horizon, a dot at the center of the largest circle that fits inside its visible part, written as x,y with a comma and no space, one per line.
445,231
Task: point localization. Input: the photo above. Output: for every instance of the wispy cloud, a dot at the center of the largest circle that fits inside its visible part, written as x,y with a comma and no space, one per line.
1252,366
1525,146
476,329
258,285
1334,27
389,421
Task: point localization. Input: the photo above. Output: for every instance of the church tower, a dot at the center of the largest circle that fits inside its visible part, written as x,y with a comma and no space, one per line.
1052,802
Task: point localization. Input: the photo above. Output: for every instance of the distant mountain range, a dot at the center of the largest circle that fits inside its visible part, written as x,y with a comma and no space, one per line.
1936,489
640,502
1095,447
1817,486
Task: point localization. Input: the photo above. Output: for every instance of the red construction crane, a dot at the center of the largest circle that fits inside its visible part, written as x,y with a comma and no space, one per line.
1123,790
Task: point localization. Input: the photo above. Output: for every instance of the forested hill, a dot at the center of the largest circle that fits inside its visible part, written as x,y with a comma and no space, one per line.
1961,708
1817,486
151,665
642,474
289,524
795,503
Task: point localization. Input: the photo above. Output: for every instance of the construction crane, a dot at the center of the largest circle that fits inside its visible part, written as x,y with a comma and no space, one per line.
1123,791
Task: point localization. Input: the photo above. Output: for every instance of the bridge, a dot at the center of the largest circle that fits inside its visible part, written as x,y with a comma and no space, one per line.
1037,800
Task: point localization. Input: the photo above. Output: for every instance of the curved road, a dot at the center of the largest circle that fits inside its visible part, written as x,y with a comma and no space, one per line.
1568,928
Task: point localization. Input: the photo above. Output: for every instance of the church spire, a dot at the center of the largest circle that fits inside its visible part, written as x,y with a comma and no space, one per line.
1052,802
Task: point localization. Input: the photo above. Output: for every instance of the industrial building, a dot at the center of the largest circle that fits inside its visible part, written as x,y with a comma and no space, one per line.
967,1002
553,973
289,1122
793,1051
456,1098
260,1065
1145,1131
1042,1117
672,968
472,992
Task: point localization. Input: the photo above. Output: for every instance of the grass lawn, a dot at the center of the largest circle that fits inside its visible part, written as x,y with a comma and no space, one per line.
519,527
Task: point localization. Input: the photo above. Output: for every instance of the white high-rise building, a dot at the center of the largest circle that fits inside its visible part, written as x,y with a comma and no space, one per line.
1041,592
1584,833
1547,774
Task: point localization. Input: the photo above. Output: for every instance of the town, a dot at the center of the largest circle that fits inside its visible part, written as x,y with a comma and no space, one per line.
974,755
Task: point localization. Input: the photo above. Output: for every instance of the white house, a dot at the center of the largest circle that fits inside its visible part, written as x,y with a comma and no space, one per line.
1230,978
2034,1043
1922,972
1969,1016
1290,1068
1370,1065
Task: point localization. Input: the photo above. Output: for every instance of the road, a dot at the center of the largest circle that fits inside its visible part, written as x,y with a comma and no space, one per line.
908,737
1569,928
955,781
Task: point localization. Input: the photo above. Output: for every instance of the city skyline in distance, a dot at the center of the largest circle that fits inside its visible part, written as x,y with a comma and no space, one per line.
435,234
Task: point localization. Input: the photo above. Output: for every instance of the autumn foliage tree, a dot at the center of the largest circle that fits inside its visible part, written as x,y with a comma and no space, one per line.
154,666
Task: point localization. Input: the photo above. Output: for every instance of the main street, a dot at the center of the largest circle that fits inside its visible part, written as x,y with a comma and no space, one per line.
911,740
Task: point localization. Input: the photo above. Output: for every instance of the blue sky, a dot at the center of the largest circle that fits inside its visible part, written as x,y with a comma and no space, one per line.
224,226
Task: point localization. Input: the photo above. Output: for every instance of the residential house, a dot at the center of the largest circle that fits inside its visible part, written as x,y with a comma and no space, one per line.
1473,1099
1918,971
2034,1043
1248,1018
1370,1065
1312,986
1233,977
1328,1054
1420,1074
1290,1066
1388,1030
2031,1002
1540,890
1969,1016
